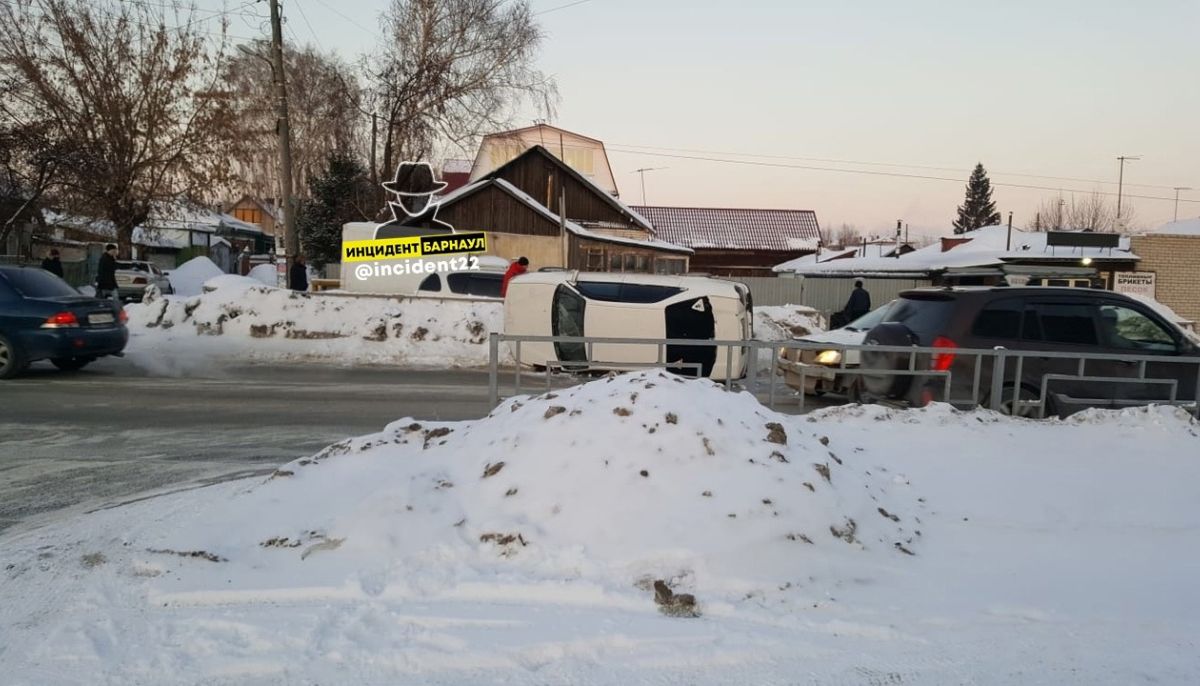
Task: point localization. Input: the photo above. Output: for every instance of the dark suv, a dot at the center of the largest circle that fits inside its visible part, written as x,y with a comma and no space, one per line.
1077,323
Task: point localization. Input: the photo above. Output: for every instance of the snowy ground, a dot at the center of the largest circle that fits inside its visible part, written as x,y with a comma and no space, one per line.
240,319
859,545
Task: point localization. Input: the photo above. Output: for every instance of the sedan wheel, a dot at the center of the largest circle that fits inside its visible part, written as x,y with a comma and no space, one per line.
11,363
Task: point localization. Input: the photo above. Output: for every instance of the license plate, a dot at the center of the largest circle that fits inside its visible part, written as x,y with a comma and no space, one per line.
100,318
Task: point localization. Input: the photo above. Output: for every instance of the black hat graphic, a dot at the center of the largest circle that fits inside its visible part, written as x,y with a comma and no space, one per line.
414,178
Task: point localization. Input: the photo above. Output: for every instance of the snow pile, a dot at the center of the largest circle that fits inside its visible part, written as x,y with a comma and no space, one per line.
265,274
189,277
695,484
785,322
237,317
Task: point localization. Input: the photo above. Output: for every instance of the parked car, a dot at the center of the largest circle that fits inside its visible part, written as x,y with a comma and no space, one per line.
484,283
43,318
1080,322
133,277
821,366
617,305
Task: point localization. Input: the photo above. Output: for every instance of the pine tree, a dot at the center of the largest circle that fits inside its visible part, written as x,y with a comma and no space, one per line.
338,196
978,209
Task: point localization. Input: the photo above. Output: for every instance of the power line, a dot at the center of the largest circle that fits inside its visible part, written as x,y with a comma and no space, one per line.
868,172
991,172
191,10
316,41
561,7
338,12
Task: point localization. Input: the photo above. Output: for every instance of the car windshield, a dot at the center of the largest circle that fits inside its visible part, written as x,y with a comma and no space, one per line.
37,283
870,319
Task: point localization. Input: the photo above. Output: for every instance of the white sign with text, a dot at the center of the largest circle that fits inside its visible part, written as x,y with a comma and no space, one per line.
1134,283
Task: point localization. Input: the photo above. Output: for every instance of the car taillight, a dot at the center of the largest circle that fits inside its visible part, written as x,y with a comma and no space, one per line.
123,316
941,361
61,320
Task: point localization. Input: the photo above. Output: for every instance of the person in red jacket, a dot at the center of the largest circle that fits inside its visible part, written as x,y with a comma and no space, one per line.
515,269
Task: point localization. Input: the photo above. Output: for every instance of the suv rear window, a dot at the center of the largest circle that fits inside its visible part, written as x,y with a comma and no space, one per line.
1000,319
36,283
1073,324
926,317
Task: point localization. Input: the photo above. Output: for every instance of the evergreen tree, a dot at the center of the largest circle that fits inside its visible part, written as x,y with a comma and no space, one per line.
341,194
978,209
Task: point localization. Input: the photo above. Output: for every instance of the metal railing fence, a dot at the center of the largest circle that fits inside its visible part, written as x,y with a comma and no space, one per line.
1001,385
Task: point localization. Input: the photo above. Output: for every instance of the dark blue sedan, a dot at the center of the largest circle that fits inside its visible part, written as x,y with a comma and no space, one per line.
43,318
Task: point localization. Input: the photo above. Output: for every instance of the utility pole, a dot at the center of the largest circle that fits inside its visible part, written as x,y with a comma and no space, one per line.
1121,184
643,171
289,247
1177,189
1008,241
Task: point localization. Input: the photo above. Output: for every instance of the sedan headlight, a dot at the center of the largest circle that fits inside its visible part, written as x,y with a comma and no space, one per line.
829,358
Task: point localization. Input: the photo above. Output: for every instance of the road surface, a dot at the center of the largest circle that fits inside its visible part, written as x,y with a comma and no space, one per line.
78,441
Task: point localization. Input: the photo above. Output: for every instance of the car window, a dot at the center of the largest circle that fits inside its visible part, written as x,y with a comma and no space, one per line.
1000,319
566,319
870,319
485,285
458,283
626,292
1072,324
1129,329
36,283
926,317
431,283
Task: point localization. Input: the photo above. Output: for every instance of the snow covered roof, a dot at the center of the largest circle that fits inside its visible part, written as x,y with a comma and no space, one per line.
161,229
983,247
572,227
1182,227
735,229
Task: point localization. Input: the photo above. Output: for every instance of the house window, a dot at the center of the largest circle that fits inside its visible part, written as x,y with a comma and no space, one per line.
631,262
251,215
595,260
614,262
665,265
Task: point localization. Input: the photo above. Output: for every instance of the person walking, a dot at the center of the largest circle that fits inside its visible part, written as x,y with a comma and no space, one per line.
515,269
53,263
106,274
298,277
859,303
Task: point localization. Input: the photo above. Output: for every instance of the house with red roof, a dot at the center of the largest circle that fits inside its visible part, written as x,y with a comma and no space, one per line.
736,242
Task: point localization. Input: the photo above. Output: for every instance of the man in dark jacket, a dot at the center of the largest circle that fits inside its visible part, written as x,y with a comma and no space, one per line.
298,280
859,303
515,269
53,264
106,274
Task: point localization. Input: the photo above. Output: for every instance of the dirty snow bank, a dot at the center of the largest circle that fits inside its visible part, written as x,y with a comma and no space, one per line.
238,318
523,548
785,322
188,278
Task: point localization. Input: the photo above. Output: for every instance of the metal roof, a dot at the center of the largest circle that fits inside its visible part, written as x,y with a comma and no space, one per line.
735,229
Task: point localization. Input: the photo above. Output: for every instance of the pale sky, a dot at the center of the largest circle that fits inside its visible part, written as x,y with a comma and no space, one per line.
1053,88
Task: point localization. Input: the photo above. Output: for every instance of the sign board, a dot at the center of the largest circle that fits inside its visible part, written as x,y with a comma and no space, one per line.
1134,283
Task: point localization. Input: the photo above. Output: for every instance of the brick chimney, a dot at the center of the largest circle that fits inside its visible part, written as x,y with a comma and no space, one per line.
949,244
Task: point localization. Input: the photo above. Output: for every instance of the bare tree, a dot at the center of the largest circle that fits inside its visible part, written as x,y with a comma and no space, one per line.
1091,213
324,100
130,85
1051,215
31,163
846,235
451,70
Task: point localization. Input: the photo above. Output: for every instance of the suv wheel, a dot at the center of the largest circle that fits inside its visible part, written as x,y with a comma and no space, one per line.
11,361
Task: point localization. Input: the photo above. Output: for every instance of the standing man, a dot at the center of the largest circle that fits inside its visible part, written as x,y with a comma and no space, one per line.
859,303
298,277
515,269
106,274
53,263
